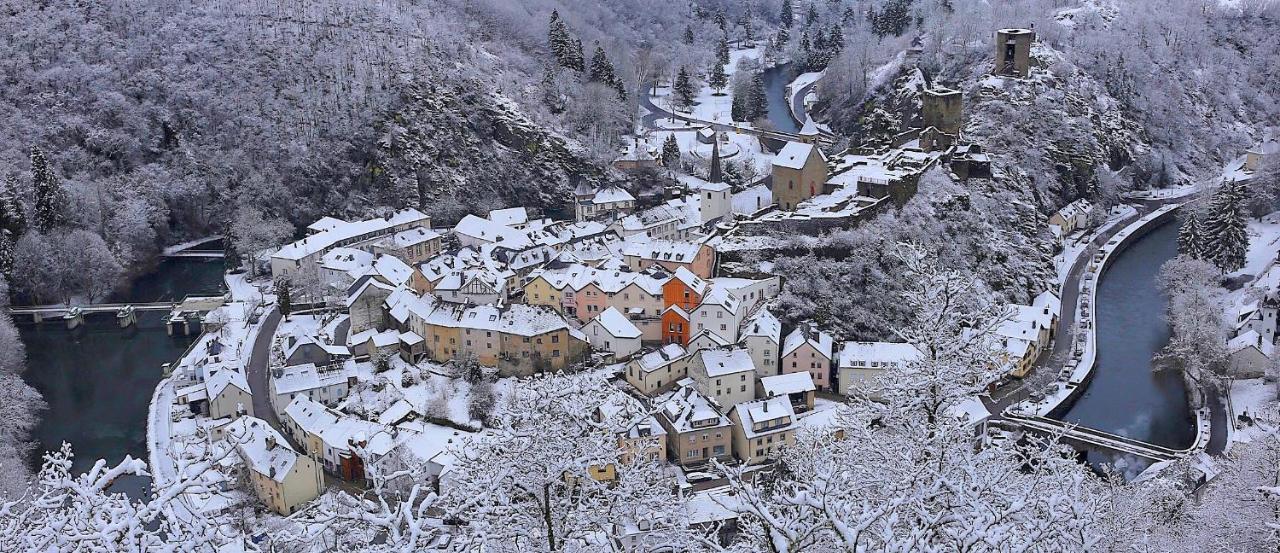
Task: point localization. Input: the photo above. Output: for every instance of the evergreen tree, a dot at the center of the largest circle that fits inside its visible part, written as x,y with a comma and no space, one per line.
722,22
1227,228
688,34
722,50
1191,239
6,257
284,301
811,17
559,40
13,216
738,107
893,18
717,78
683,89
848,16
576,61
602,72
782,39
787,17
748,30
670,151
757,101
51,199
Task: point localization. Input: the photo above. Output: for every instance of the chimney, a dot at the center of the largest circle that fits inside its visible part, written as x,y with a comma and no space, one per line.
271,442
766,406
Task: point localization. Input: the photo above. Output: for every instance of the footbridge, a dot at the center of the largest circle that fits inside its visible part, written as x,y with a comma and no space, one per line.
1092,437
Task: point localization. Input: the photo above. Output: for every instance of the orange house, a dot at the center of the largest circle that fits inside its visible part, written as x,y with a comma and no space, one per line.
675,326
684,289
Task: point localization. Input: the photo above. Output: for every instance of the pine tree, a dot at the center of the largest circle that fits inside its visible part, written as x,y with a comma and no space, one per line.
684,88
558,39
748,30
1191,239
670,151
757,99
284,291
722,22
602,72
738,107
576,60
787,17
722,50
688,34
812,16
6,256
717,78
13,216
1227,228
51,198
782,39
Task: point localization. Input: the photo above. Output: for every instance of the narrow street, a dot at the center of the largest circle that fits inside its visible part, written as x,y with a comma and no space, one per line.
257,371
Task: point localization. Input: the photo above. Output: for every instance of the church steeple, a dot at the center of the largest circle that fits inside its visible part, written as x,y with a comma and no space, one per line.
716,173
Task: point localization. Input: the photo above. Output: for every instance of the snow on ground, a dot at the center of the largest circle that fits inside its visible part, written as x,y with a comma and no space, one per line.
428,387
1263,237
1257,398
1078,241
802,80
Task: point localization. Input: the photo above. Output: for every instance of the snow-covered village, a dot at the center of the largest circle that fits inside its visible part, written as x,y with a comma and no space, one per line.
640,276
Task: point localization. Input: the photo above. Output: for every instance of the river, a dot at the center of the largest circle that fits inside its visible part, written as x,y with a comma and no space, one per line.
1125,396
776,80
98,379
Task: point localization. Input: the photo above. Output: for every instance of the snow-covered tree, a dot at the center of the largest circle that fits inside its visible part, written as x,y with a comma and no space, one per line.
51,200
253,233
284,297
786,16
13,216
602,72
902,473
1227,227
722,50
69,512
670,151
1191,237
683,89
531,484
1197,347
717,79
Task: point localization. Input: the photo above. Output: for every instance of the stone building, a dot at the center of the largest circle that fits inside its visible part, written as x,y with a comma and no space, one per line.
1013,52
799,173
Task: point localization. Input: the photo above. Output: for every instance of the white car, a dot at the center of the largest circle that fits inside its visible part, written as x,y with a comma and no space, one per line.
696,477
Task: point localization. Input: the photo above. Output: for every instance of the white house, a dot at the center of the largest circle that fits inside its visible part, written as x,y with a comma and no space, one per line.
1072,217
1260,317
762,336
720,312
612,331
606,202
475,232
329,233
715,200
726,376
863,362
658,370
752,292
327,385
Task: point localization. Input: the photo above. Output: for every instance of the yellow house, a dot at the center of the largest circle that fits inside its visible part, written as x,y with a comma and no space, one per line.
539,291
799,173
282,478
761,428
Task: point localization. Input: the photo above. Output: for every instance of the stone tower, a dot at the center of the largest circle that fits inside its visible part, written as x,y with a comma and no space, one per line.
942,109
1013,52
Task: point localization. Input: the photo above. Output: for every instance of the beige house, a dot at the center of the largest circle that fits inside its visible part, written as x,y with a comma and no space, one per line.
328,233
282,478
799,173
761,428
725,375
863,362
696,429
1261,154
658,370
797,388
228,393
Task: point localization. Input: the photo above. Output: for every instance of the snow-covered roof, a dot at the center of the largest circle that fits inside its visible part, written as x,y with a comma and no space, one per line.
695,283
1047,299
311,416
810,128
971,410
616,324
721,362
764,324
263,449
300,378
392,269
363,285
721,297
397,412
699,184
686,409
795,154
790,383
660,358
413,237
876,354
325,223
489,231
1250,339
511,216
663,250
612,194
806,334
226,376
775,413
325,239
348,260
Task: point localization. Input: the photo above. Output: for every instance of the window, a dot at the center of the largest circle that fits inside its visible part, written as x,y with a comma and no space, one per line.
717,382
555,353
555,339
743,378
744,388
